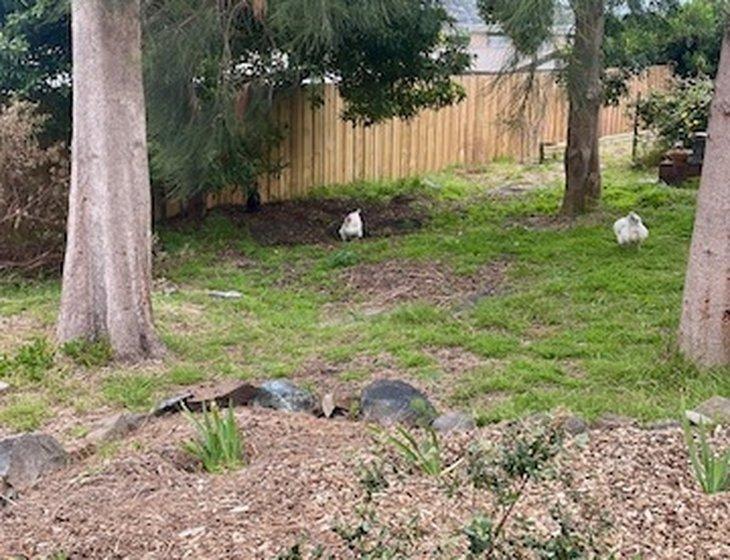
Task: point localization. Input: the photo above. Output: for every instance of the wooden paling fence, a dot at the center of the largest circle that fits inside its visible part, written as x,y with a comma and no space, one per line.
321,149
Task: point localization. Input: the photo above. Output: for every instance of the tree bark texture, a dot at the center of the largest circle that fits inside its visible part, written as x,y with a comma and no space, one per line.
107,269
704,333
585,96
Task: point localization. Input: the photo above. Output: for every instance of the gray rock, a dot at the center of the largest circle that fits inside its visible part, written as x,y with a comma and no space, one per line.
392,401
575,425
697,419
454,422
24,459
4,387
116,427
717,408
661,425
232,294
613,421
281,394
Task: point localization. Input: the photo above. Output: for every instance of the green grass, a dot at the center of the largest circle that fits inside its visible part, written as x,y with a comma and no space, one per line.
134,391
24,414
581,323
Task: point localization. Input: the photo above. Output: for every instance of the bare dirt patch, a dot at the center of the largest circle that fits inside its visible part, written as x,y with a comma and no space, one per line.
393,282
454,360
309,221
302,480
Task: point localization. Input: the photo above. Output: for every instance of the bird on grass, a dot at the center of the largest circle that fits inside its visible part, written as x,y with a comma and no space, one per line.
351,227
630,230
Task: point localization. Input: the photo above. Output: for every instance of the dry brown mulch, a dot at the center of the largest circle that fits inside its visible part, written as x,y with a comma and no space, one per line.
309,221
388,283
302,480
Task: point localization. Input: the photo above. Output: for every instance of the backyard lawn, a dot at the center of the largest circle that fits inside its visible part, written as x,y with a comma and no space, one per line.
468,286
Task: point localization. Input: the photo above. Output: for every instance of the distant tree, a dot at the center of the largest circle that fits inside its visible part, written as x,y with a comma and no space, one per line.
704,333
214,69
686,34
530,24
107,269
210,105
35,58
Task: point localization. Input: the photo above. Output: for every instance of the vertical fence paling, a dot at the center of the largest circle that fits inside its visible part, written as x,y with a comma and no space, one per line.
320,149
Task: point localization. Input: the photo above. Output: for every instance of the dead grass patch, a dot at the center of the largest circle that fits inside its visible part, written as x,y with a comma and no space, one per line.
388,283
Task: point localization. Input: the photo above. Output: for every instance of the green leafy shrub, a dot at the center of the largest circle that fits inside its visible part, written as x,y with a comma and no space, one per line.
711,469
218,445
88,353
674,115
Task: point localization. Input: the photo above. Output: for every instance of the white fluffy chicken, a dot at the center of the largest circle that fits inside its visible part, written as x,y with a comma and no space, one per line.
630,230
351,227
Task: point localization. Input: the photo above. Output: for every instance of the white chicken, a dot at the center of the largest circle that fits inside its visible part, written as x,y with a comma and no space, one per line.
630,230
351,228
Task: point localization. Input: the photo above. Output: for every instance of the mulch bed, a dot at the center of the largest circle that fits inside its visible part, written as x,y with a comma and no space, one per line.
308,221
302,480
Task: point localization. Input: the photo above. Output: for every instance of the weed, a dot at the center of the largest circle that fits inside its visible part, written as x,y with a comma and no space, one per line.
372,478
31,362
218,445
88,353
479,535
711,469
370,539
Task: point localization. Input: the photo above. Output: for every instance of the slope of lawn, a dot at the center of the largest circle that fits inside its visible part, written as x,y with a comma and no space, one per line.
577,322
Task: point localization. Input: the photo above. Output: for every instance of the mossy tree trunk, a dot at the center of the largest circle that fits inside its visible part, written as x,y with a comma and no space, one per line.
585,95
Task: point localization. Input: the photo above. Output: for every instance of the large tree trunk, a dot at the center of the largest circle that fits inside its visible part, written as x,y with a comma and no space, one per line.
582,167
107,270
704,333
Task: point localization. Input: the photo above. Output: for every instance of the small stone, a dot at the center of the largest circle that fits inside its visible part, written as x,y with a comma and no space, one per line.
392,401
697,419
575,425
231,294
116,427
454,422
4,387
717,408
223,394
26,458
612,421
281,394
191,533
661,425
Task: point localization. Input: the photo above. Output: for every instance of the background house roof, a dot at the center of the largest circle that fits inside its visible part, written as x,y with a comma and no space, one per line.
466,16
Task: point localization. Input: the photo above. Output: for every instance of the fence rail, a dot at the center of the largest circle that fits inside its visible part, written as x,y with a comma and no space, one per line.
321,149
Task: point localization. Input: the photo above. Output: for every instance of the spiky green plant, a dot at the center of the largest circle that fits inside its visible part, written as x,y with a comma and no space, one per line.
711,469
219,444
424,455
